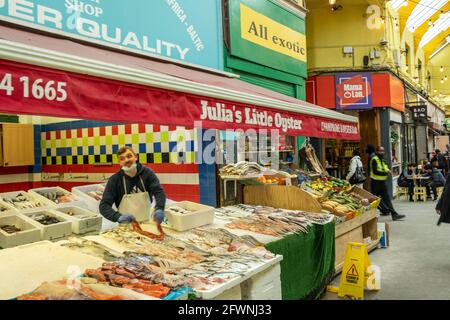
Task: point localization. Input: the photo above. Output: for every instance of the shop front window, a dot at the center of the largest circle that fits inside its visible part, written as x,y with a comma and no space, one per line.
396,156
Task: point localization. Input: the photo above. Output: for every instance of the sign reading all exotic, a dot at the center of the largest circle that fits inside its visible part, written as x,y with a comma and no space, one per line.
175,29
270,34
353,91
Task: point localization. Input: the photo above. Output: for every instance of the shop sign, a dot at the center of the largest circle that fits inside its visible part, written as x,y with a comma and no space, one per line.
419,112
175,29
264,32
26,89
354,91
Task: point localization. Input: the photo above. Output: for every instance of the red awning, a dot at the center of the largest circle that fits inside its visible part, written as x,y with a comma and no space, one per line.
38,90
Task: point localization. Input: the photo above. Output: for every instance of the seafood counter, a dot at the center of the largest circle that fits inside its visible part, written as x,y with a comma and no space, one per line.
206,261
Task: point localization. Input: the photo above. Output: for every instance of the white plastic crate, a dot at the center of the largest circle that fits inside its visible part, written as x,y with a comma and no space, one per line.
54,231
265,285
35,203
200,215
83,220
40,193
29,233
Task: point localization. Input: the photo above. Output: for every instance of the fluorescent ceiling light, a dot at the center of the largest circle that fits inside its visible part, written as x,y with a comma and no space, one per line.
423,11
395,4
441,25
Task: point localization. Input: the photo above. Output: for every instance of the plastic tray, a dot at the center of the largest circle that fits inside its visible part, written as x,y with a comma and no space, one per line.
43,204
76,202
54,231
91,223
29,233
201,215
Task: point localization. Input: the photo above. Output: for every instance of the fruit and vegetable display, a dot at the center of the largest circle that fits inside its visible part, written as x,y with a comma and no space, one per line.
327,184
271,180
345,203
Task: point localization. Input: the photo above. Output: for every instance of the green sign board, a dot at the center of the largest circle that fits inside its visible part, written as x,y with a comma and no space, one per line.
268,34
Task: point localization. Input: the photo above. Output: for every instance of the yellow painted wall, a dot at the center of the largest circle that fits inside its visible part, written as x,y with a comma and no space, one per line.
328,32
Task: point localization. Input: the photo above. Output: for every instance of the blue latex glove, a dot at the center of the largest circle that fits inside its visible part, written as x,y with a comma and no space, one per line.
125,218
158,217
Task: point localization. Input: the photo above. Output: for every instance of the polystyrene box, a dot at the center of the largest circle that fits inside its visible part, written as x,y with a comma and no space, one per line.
7,209
93,204
29,233
39,193
265,285
82,191
54,231
200,215
83,220
230,294
38,203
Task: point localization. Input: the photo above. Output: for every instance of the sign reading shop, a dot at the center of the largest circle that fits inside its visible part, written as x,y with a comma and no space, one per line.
174,29
353,91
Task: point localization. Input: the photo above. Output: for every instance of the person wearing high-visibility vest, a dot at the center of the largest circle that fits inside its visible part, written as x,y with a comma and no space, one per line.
379,173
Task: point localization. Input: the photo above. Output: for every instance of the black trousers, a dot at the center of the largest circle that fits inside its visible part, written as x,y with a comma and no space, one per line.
379,188
433,186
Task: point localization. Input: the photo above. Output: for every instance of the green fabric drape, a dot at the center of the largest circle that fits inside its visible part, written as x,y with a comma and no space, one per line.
308,261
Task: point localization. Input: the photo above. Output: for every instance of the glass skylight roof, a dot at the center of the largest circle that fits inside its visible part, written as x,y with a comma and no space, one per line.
441,25
397,3
422,12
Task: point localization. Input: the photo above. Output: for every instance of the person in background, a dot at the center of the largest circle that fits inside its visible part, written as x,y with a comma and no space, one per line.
379,173
440,159
131,190
443,205
437,179
370,150
404,182
355,165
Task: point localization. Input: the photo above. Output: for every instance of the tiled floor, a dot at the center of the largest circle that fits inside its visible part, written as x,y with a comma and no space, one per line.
417,263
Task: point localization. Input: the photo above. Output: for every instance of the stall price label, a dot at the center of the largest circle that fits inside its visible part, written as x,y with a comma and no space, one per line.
39,89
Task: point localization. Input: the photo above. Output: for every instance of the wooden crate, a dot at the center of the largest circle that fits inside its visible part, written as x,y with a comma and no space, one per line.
355,230
286,197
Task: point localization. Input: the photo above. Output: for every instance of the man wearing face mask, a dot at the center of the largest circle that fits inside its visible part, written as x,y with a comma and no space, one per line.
131,190
379,173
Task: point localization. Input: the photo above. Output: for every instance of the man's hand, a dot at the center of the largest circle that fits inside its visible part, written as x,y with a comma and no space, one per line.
158,216
438,212
126,218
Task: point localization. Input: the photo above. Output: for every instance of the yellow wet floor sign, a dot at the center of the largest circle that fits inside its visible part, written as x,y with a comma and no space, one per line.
354,272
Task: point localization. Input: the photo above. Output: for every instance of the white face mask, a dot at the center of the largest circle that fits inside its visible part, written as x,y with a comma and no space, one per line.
129,169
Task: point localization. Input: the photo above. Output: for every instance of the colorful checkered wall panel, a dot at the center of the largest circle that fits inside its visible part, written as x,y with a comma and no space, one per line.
98,144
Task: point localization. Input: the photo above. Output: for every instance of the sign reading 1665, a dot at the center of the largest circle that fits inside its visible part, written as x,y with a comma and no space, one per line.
38,89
